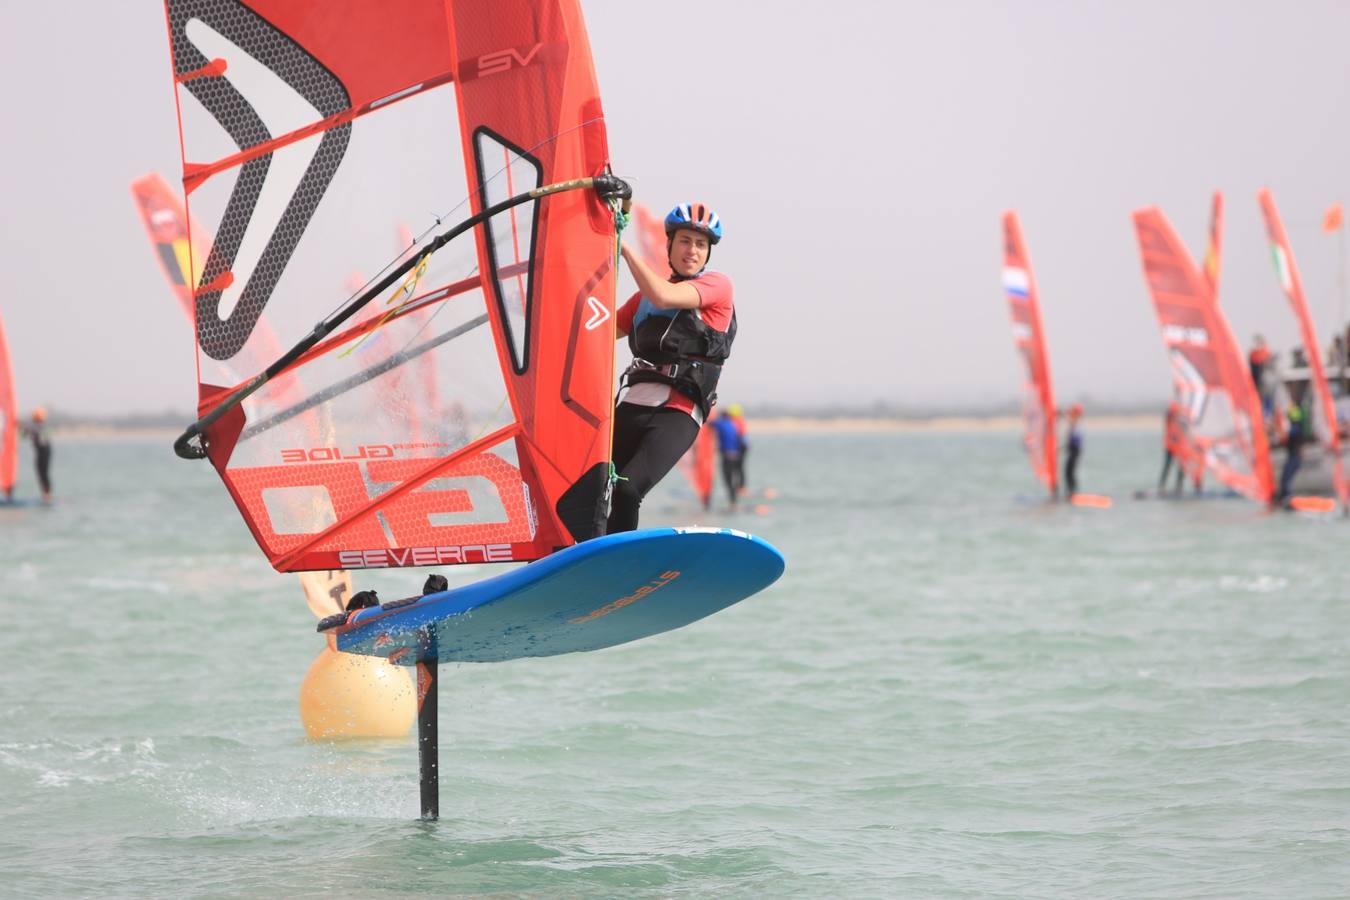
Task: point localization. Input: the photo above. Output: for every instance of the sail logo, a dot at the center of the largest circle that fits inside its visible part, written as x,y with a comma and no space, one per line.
424,556
650,587
1186,334
331,454
1016,282
599,313
505,60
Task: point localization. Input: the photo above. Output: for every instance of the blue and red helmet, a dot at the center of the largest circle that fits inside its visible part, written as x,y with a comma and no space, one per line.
697,217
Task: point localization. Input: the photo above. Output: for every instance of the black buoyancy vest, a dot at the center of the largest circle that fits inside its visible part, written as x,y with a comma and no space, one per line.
681,351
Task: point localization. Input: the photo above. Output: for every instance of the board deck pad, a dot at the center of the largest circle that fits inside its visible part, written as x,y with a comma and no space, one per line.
593,595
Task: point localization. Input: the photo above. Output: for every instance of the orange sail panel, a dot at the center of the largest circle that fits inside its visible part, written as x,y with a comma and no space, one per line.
1214,251
1219,403
9,420
1283,256
1038,396
307,127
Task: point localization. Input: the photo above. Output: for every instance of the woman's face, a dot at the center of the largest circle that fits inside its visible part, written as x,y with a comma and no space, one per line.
688,252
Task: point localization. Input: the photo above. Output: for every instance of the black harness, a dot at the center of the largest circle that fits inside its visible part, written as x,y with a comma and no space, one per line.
681,351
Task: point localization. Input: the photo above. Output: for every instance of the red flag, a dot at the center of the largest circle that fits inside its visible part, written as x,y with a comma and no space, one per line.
1331,220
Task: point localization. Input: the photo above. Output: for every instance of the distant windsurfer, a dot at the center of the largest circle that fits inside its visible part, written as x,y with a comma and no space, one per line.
680,333
1259,363
731,447
1172,444
737,414
1075,445
1295,436
42,449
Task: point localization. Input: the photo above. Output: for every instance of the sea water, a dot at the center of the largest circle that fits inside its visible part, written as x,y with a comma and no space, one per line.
956,690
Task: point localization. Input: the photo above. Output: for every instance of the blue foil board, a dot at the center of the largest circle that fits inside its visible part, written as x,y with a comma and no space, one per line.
596,594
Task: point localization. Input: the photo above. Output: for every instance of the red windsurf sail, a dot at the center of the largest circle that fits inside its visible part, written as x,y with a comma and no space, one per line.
1221,410
307,127
1325,407
9,420
1038,396
698,464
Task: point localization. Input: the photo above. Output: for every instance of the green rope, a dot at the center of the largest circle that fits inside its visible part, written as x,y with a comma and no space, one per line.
621,221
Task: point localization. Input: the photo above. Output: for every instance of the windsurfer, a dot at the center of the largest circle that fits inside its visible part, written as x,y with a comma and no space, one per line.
1172,431
42,448
1296,435
1258,360
680,333
731,446
1075,445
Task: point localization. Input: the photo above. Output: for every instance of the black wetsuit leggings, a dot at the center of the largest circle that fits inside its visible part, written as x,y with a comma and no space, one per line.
648,442
733,473
44,465
1168,459
1071,471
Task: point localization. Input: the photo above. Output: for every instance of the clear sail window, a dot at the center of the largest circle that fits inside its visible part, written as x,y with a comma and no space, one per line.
503,172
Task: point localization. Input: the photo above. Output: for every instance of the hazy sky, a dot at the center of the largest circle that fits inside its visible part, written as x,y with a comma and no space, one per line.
859,157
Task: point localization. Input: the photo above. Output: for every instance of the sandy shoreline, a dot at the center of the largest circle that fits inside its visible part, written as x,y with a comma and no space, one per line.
847,424
768,425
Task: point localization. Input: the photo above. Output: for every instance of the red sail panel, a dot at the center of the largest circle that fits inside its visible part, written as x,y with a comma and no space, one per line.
308,126
1219,402
1283,256
9,419
1038,396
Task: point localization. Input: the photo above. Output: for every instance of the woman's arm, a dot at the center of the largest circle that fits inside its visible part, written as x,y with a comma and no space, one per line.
662,294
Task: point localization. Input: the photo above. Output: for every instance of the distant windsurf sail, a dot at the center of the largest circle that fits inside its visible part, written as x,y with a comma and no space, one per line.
650,231
1214,250
1219,402
1324,407
9,420
698,465
1038,396
178,246
302,141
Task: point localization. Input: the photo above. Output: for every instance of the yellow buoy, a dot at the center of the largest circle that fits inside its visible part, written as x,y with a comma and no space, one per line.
348,695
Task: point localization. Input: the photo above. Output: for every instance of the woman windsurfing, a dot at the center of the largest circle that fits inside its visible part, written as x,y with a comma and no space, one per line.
680,332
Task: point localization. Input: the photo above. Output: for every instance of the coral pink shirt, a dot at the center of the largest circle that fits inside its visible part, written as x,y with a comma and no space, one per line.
715,308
